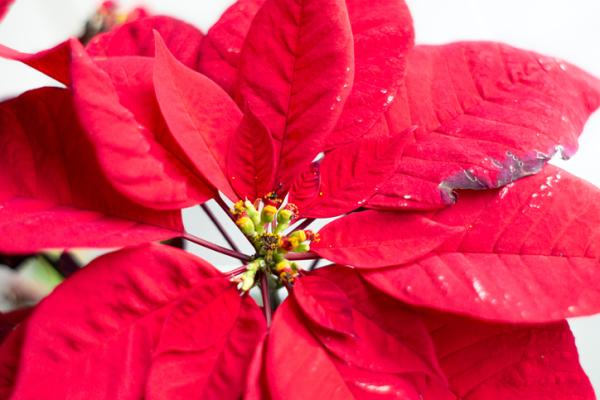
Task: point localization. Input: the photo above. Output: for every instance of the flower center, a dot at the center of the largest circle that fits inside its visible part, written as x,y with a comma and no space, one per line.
264,222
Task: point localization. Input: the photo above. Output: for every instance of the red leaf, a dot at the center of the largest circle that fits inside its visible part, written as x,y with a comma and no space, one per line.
9,320
381,343
325,304
150,321
136,39
53,62
390,355
115,106
250,158
200,115
205,346
487,114
346,177
52,193
4,7
220,50
291,344
257,387
10,354
383,34
372,239
295,74
529,253
489,361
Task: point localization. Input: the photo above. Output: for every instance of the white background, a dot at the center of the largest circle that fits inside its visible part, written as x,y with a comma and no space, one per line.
568,29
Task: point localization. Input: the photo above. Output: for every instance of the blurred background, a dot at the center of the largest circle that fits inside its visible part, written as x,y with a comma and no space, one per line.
561,28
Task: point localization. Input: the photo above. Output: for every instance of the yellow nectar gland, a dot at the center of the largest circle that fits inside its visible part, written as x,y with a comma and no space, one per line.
264,222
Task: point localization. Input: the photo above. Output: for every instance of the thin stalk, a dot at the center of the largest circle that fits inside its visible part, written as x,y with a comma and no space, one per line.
235,271
264,292
215,247
313,265
304,224
302,256
224,206
220,227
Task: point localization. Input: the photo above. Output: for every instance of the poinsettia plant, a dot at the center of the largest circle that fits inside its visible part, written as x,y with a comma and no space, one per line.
455,253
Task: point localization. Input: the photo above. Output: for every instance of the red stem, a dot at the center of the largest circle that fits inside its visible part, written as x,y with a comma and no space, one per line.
302,256
264,292
235,271
304,224
215,247
224,206
220,227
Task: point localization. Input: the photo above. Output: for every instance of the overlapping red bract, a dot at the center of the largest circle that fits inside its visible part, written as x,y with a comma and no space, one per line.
141,131
46,202
135,38
486,114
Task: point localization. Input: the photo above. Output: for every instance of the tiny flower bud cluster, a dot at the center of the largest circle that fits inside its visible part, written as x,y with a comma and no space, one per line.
264,222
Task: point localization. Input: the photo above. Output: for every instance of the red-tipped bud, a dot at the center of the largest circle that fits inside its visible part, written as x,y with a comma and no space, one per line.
238,208
285,244
268,214
291,207
312,236
299,235
246,225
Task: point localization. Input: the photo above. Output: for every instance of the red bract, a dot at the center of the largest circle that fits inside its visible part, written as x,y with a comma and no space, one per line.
297,110
4,7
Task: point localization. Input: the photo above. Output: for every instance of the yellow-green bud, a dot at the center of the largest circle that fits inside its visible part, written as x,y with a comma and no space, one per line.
301,248
284,216
268,214
238,208
246,225
300,235
282,265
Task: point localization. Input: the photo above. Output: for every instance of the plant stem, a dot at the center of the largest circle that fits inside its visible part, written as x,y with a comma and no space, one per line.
235,271
302,256
224,206
215,247
305,224
264,292
220,227
314,264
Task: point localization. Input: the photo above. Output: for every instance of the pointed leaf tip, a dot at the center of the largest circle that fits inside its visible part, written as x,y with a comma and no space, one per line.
371,239
201,117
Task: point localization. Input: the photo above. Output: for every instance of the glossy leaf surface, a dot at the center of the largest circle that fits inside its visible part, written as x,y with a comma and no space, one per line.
117,108
372,239
295,72
491,361
150,321
382,32
251,158
486,114
52,192
346,177
200,115
387,357
529,253
220,50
